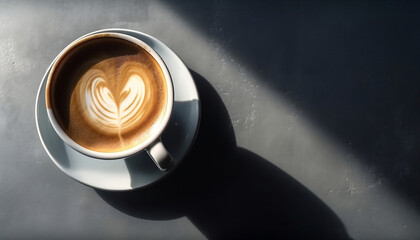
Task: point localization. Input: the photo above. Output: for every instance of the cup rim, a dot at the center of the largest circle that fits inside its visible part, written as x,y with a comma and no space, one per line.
135,149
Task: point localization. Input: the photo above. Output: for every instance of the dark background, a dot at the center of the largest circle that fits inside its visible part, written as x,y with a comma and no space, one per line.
352,66
310,123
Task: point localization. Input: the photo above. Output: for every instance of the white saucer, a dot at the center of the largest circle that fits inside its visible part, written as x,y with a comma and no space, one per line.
139,170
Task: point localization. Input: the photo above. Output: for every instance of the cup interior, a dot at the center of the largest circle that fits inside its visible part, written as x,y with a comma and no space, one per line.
58,66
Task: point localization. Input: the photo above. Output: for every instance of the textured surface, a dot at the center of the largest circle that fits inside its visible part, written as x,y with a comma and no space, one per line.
310,122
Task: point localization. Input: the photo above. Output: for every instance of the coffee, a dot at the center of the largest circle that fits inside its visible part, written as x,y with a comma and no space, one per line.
108,94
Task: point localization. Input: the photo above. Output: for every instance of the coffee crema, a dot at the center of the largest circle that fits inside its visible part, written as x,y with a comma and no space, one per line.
108,94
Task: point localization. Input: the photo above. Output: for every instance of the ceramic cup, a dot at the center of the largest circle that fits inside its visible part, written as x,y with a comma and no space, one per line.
153,144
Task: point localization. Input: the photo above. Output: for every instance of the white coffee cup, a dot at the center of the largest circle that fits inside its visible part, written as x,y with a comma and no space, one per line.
152,144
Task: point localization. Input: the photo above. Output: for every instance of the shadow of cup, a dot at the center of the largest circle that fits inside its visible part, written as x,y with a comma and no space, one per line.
230,192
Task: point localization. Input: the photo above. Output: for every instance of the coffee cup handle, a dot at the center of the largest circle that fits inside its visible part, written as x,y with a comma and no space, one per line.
160,156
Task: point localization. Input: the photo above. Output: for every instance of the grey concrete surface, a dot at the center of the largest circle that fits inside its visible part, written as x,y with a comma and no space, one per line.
310,125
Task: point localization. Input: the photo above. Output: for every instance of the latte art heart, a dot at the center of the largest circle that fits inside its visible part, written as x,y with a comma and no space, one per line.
105,111
115,106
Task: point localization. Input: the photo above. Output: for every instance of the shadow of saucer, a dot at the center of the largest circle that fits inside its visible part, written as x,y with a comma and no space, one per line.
229,192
